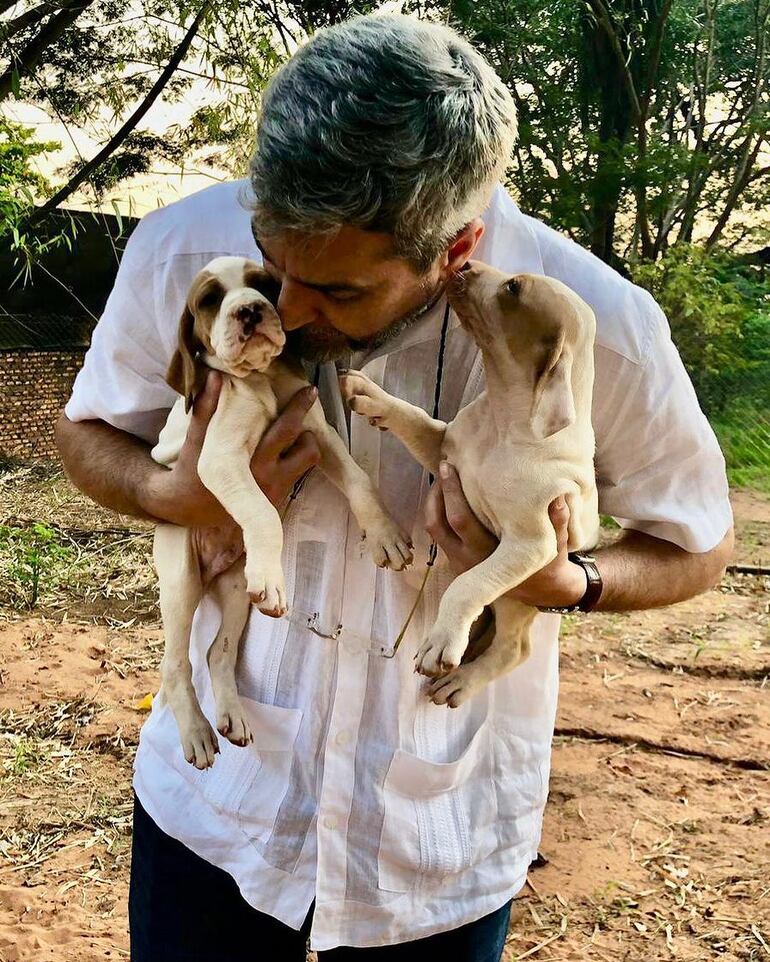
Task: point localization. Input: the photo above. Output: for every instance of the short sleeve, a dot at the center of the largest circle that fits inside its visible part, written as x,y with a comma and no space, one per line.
658,463
122,380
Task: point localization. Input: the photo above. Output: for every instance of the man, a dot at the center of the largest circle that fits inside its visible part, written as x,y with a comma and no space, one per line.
363,814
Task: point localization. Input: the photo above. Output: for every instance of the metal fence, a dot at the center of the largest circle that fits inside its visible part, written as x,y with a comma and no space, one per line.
736,401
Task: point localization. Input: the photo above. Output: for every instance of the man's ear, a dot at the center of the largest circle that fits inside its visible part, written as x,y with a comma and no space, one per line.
464,244
553,405
186,373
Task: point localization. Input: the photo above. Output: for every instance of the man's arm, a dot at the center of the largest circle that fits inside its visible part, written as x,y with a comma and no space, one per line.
638,571
115,468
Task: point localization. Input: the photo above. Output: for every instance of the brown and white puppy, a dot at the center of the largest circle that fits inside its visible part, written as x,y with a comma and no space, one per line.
523,442
230,323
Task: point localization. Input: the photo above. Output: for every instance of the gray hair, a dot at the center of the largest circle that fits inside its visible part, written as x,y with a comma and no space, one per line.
386,123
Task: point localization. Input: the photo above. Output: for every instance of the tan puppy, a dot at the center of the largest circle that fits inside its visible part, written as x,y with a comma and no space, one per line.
230,324
523,442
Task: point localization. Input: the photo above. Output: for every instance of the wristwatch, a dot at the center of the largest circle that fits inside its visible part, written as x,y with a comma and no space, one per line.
593,588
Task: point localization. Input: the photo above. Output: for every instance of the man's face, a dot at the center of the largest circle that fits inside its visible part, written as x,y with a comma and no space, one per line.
347,293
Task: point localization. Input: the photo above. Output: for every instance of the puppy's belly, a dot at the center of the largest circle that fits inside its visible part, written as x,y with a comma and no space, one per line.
172,435
470,465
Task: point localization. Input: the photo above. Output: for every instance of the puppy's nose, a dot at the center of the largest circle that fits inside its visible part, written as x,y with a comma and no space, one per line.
249,316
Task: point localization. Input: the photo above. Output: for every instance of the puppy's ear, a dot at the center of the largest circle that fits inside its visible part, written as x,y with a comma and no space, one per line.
186,373
553,405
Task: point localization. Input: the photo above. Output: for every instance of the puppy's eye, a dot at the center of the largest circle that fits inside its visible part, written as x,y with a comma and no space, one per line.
513,287
209,300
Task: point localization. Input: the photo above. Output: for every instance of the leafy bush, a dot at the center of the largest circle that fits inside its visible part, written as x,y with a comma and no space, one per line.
719,311
29,557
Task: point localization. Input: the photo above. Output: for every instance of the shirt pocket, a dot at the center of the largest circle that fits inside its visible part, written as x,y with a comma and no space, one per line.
440,817
250,782
522,769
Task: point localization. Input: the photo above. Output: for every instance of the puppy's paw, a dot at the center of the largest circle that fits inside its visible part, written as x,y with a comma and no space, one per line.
233,724
388,545
199,742
440,653
457,687
267,591
366,398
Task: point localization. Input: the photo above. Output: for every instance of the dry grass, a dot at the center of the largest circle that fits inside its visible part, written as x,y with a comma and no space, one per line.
656,831
88,560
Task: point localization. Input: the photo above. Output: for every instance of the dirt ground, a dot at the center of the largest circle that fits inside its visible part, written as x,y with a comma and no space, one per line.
656,841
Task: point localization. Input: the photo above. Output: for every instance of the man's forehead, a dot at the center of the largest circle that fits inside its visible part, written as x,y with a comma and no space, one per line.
349,256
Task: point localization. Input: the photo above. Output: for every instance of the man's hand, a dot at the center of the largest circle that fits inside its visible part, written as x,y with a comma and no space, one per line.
466,542
285,453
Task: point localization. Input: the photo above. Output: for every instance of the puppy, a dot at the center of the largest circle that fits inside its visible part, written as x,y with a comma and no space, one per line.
230,323
523,442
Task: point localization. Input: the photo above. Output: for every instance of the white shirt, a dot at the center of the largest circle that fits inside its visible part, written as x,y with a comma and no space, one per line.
400,818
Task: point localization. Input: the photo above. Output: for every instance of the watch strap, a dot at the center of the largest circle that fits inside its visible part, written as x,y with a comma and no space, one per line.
594,585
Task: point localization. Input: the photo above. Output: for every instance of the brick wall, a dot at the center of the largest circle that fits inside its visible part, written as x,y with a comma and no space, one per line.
34,386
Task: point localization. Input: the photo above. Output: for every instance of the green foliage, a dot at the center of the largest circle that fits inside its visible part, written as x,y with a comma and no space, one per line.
20,185
31,556
705,309
718,308
638,119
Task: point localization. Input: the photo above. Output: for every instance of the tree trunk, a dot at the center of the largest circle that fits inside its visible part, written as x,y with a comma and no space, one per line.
615,118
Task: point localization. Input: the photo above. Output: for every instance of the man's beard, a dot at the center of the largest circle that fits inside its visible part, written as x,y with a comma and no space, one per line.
322,343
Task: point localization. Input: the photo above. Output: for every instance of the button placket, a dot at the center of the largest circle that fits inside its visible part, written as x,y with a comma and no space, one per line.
336,791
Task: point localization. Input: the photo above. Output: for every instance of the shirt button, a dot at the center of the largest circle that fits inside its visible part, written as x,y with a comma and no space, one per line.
330,823
343,737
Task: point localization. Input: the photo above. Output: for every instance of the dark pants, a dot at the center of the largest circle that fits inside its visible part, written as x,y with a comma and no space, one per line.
182,909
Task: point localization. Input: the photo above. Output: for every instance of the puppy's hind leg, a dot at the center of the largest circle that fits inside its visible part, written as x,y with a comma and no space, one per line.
518,556
180,592
229,591
509,647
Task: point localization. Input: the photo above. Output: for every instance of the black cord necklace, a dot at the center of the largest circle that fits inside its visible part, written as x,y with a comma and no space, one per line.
433,550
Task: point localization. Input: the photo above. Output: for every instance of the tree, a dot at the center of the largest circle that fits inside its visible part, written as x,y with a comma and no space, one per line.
639,119
19,182
74,57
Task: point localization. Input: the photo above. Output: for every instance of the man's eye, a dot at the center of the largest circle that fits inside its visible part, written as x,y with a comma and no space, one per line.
344,296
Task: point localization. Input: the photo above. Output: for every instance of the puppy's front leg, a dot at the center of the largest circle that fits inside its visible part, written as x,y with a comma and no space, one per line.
513,561
389,546
180,592
224,466
422,435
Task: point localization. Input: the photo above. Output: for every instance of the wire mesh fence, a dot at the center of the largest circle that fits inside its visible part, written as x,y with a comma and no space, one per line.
736,399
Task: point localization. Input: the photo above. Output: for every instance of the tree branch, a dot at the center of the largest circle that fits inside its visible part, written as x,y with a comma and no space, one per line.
30,17
27,59
85,172
742,178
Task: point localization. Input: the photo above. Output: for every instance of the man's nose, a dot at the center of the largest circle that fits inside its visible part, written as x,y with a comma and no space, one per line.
297,306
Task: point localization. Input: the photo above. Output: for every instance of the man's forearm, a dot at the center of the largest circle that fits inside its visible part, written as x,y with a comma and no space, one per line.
110,466
639,571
